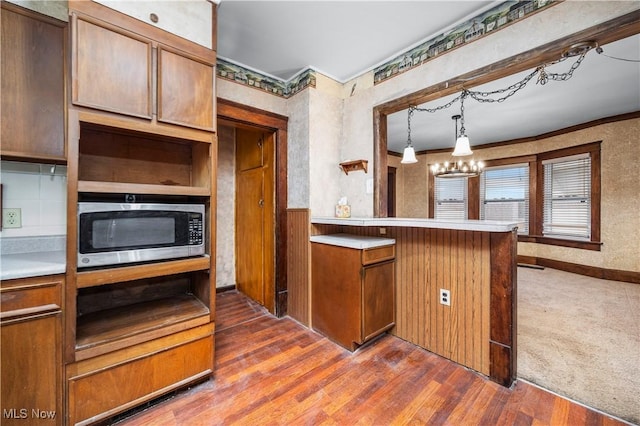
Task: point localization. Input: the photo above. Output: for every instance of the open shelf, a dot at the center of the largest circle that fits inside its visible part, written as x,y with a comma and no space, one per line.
108,330
112,160
141,188
100,277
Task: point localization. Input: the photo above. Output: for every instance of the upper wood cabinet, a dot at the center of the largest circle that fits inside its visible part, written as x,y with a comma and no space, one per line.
33,89
187,100
128,67
111,68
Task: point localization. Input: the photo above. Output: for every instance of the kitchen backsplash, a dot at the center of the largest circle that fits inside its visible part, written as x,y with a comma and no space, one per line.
40,191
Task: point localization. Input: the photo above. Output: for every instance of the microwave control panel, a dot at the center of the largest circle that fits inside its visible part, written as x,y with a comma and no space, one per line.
196,234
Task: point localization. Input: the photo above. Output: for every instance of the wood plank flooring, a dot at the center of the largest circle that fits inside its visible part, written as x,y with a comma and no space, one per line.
275,371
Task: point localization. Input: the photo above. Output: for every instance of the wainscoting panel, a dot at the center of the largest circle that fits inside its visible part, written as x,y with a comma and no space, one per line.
298,265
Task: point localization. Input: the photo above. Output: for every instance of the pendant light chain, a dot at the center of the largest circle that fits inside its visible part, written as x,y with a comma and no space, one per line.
485,97
463,95
411,110
462,168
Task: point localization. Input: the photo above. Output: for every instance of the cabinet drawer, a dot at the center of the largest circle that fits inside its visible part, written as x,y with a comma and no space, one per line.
378,254
105,392
26,296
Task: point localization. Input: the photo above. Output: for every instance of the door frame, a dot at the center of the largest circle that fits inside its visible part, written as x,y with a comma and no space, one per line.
234,112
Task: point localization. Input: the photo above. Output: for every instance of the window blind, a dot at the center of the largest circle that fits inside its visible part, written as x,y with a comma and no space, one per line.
567,197
450,198
504,195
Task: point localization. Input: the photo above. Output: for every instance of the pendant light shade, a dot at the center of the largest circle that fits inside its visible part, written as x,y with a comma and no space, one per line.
462,147
409,156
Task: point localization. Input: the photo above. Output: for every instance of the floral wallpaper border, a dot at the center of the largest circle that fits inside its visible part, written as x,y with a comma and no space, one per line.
233,72
491,20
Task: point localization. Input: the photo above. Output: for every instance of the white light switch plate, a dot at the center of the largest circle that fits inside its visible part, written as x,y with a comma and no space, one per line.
370,186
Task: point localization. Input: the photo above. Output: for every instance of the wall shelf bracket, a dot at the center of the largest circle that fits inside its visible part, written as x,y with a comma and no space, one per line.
352,166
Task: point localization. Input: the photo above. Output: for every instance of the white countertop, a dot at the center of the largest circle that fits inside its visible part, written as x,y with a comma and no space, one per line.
22,265
352,241
462,225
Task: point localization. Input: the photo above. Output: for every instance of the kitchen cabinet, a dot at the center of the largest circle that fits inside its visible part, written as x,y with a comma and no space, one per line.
141,126
353,287
33,85
125,66
31,346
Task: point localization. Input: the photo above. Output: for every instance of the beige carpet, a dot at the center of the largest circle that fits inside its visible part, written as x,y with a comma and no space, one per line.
580,337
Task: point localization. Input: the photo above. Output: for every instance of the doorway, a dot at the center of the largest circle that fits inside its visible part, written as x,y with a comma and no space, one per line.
257,176
391,191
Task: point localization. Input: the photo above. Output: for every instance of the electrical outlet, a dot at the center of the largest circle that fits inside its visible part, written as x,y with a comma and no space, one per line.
11,218
445,297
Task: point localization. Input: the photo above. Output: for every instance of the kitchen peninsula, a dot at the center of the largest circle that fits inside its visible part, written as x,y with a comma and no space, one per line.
475,261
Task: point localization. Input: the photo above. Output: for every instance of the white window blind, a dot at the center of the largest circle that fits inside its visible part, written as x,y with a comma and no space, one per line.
567,197
504,195
450,198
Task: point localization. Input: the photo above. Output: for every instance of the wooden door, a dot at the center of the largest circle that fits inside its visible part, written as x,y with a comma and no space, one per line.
255,216
30,383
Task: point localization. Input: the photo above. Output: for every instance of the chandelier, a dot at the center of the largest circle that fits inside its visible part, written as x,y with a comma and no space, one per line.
467,168
460,168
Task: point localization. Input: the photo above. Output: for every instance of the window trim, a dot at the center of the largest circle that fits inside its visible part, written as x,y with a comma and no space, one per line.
536,194
593,150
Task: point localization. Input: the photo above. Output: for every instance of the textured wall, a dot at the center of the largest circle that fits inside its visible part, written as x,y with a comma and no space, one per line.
325,147
225,225
188,19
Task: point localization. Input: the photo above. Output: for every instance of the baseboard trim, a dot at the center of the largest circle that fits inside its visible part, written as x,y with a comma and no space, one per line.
590,271
225,288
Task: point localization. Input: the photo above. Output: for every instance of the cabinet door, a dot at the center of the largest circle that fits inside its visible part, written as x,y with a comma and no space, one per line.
185,90
32,74
378,303
112,68
30,378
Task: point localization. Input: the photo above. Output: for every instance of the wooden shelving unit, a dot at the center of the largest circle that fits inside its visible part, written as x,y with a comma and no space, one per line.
127,136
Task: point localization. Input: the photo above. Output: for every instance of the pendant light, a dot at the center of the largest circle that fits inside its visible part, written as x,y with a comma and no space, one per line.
409,154
462,141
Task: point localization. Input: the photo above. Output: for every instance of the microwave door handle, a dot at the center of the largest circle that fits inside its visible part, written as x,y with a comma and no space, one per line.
112,228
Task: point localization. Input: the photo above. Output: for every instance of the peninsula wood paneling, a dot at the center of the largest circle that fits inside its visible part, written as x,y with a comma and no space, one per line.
298,265
428,260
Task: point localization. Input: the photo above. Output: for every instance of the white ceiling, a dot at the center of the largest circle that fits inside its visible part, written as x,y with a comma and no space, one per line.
343,39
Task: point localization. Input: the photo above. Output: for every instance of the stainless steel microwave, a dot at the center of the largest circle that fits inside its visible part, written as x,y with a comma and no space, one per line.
121,233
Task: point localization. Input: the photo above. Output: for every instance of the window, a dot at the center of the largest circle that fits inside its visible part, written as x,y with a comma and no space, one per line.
450,198
567,197
504,195
554,196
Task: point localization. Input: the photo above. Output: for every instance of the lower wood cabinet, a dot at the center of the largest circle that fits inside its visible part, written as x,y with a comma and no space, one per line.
101,387
31,351
352,291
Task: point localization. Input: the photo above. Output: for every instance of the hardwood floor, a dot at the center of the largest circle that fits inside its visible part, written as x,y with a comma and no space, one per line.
275,371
